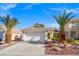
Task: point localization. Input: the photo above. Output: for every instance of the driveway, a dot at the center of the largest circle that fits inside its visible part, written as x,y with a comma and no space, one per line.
24,49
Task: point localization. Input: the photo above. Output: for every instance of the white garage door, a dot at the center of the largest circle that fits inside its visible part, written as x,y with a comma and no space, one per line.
34,36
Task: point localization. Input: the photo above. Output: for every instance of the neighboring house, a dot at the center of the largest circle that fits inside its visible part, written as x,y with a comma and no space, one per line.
38,34
72,29
1,33
16,33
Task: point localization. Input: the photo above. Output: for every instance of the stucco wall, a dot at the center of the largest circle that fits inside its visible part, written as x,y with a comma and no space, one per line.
14,35
77,34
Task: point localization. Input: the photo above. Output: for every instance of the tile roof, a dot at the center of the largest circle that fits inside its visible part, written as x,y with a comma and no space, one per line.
74,21
39,29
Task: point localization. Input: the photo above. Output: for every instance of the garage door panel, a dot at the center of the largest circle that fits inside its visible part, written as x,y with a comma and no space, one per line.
35,36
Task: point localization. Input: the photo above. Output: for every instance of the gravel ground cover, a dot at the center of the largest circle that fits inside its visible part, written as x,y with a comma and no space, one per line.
71,50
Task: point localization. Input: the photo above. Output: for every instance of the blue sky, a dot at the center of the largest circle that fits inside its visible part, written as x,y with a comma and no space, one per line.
31,13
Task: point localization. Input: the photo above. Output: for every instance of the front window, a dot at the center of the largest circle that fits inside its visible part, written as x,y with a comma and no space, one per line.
77,25
73,33
66,34
72,25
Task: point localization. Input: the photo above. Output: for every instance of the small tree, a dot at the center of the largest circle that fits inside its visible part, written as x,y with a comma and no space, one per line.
38,25
9,23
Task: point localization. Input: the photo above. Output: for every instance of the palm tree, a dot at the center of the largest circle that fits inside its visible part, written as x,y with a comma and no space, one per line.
62,20
9,23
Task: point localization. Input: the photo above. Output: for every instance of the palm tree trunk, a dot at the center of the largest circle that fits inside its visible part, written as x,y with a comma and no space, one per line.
7,37
62,36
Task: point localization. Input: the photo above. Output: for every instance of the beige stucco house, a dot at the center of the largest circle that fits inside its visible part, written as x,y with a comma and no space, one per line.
72,29
38,34
29,34
16,34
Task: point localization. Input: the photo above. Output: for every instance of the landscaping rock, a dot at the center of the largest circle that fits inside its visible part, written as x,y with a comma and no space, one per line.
4,44
69,45
71,50
77,47
57,48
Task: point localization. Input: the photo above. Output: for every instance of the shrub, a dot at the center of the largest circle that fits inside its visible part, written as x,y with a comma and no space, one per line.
76,41
55,37
70,40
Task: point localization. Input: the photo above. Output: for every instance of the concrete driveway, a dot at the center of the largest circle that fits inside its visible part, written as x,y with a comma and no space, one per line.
24,49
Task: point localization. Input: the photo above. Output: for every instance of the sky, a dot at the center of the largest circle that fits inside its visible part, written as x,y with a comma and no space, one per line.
31,13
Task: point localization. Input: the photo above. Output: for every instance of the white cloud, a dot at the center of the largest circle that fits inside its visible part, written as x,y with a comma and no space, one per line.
52,9
56,9
74,10
60,10
29,6
4,9
7,6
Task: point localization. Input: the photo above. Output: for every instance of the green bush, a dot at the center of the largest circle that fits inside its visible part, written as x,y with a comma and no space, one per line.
76,41
55,37
70,40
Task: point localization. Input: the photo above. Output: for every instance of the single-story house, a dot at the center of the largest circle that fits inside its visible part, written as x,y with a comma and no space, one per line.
38,34
30,34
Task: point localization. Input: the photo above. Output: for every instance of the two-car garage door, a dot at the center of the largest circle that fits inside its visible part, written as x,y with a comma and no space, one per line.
34,36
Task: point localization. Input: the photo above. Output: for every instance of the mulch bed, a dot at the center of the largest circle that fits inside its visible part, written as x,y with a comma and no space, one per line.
71,50
3,45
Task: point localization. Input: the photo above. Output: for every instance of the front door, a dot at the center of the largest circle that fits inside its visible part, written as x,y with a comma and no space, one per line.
48,35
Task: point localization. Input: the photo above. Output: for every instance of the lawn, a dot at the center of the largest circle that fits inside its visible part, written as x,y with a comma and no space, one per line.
77,41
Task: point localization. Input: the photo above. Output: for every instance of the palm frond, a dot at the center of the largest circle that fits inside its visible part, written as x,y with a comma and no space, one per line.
68,15
64,14
13,23
64,18
2,20
57,19
69,19
9,22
